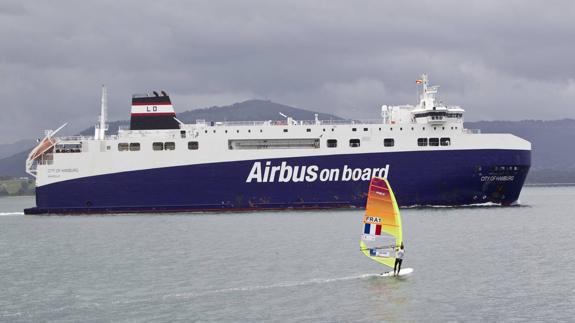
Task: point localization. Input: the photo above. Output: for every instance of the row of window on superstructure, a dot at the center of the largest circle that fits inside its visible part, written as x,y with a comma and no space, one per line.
234,144
354,143
434,142
281,144
254,144
168,145
68,148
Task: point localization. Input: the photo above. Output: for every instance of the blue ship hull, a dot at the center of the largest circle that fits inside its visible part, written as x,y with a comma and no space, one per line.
451,178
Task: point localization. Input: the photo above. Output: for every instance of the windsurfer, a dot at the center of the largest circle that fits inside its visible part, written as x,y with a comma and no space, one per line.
398,259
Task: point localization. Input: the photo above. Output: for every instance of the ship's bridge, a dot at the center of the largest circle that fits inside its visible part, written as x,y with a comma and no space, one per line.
428,111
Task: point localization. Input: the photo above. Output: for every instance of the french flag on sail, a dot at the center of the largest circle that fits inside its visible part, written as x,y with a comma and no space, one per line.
373,229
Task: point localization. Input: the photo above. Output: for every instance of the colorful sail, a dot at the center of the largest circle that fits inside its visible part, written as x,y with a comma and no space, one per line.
381,234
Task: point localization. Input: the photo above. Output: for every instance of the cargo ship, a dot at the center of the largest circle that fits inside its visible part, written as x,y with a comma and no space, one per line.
160,164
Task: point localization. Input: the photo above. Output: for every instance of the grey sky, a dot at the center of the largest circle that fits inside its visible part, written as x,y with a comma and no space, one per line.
507,60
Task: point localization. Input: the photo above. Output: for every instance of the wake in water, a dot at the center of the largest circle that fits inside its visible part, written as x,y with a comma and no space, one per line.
11,213
263,287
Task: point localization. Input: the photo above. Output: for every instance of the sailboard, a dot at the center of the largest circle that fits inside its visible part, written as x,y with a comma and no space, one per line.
382,233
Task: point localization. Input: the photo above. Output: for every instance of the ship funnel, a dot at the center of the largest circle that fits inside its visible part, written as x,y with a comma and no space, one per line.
152,112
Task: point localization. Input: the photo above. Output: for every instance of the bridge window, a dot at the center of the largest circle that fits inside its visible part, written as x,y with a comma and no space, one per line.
388,142
134,146
434,141
193,145
169,145
68,148
445,141
422,142
354,143
158,146
365,129
331,143
123,146
353,129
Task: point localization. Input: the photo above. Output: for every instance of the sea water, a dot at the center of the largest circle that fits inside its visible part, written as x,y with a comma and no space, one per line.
471,264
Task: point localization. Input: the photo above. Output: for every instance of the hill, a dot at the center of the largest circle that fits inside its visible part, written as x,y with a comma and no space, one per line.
251,110
7,150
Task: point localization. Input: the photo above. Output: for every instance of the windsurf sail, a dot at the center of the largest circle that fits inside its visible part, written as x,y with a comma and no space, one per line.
382,233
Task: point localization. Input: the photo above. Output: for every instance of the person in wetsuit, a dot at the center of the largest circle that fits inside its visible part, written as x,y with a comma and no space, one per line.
398,259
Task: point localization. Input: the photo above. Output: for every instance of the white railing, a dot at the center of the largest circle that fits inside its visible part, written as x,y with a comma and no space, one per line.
284,123
76,138
472,131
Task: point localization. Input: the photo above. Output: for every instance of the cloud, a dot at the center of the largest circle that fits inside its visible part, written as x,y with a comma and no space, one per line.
499,60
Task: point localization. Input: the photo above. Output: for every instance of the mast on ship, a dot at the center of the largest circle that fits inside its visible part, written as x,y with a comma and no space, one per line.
102,126
427,97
